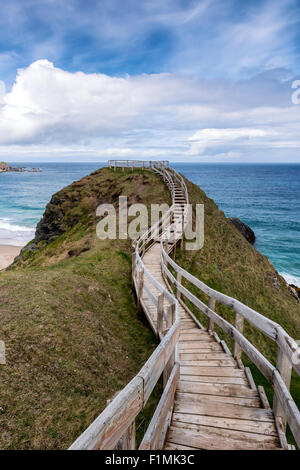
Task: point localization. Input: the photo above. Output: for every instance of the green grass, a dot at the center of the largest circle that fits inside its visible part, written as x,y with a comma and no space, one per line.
69,320
72,331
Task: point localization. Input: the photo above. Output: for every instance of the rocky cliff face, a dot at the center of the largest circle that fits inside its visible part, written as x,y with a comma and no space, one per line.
245,230
74,207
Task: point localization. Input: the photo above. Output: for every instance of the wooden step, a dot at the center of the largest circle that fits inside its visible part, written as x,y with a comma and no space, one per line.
225,362
258,427
224,410
199,345
213,441
228,433
214,380
182,397
212,371
202,356
217,389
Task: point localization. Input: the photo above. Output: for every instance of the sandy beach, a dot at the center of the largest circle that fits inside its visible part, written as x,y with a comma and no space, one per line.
8,254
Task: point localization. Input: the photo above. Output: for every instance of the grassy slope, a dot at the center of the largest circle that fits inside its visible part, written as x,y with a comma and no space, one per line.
70,324
231,265
72,332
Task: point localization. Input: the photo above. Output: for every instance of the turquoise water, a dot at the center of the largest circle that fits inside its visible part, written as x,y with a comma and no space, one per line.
266,197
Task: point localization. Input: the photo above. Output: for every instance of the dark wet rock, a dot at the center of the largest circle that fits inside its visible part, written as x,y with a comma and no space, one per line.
245,230
295,291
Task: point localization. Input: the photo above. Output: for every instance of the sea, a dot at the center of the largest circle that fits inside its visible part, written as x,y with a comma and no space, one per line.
264,196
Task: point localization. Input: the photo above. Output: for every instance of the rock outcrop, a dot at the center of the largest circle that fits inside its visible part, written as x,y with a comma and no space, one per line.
245,230
5,168
295,291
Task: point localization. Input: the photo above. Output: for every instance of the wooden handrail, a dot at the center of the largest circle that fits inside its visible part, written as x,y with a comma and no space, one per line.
279,376
270,328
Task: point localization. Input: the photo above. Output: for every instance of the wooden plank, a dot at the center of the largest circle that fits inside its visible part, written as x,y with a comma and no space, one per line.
201,357
153,433
182,397
289,347
289,407
209,363
211,306
239,325
281,429
285,369
199,345
213,371
258,427
186,328
225,348
171,446
229,433
213,442
195,336
160,313
224,411
155,365
216,389
213,380
200,333
250,378
263,397
191,315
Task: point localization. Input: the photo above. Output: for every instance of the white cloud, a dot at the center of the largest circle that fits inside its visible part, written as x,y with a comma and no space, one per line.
144,116
215,137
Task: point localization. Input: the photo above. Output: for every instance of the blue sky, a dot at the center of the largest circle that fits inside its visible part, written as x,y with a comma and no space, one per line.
185,80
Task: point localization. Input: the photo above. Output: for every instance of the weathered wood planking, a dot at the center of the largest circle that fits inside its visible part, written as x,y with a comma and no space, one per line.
216,404
153,433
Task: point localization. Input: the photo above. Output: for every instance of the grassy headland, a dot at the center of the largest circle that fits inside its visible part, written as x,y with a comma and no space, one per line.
68,315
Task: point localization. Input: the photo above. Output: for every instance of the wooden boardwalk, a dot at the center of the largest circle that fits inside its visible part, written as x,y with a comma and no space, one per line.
210,400
214,406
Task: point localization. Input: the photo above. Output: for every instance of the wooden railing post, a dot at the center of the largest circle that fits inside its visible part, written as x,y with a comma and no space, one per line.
160,313
178,293
284,367
169,366
140,286
211,323
133,265
127,441
239,325
182,232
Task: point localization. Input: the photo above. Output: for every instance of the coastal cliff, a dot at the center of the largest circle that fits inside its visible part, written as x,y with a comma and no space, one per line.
69,320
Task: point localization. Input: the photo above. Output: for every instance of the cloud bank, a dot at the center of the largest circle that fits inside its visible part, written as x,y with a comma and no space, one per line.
149,115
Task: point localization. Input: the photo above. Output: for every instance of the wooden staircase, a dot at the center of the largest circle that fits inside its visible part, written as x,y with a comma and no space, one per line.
214,405
210,400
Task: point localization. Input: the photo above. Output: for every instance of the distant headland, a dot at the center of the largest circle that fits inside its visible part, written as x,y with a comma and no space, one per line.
5,168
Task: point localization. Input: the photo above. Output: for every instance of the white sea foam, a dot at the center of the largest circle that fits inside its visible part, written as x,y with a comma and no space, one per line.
13,234
14,228
291,279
